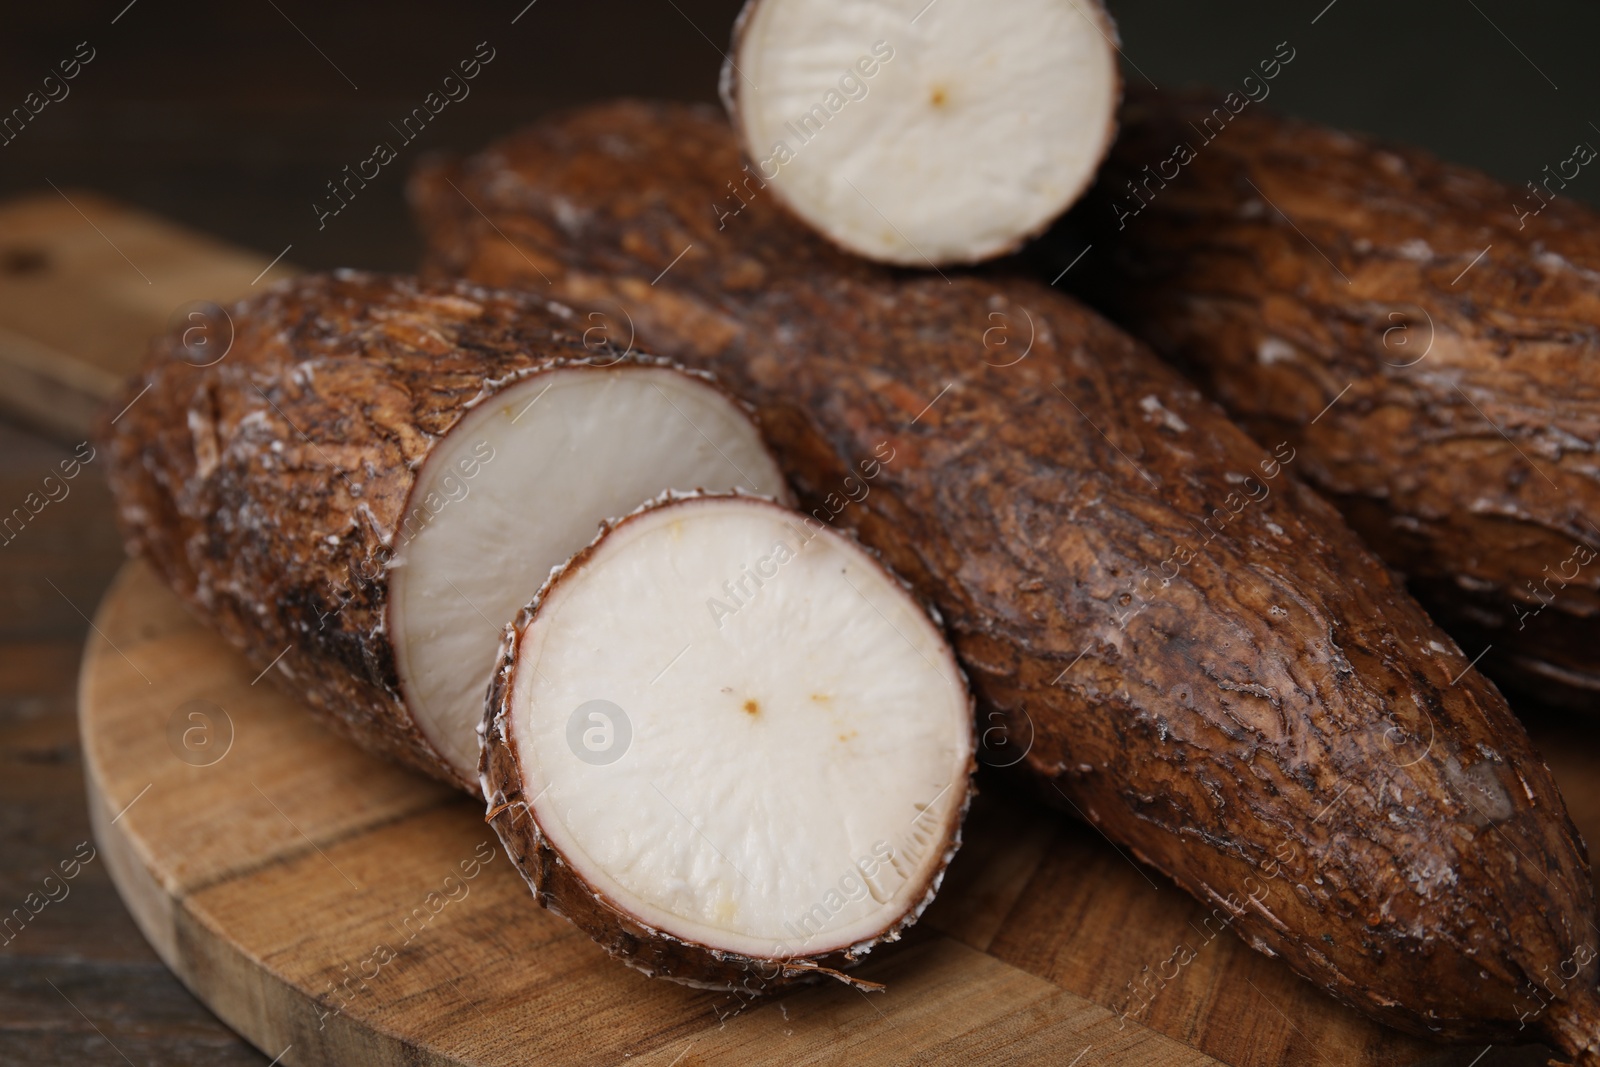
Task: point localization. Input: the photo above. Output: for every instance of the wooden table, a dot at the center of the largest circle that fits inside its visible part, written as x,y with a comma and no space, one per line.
78,978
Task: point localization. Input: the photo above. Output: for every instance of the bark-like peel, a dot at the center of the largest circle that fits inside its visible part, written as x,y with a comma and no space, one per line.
1426,336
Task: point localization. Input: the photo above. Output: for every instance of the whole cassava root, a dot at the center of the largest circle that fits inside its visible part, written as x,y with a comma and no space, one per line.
1277,726
1443,324
379,473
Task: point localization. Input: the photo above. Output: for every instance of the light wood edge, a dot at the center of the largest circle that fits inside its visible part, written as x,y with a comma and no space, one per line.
210,966
241,991
272,1014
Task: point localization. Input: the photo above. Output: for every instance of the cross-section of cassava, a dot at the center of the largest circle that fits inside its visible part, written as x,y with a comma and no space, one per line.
1425,335
380,473
921,133
728,745
1183,644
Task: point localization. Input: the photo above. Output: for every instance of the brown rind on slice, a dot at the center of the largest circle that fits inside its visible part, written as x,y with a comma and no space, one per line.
560,888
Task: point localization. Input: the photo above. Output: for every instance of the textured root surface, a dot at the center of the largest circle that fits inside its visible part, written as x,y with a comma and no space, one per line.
1183,645
1292,266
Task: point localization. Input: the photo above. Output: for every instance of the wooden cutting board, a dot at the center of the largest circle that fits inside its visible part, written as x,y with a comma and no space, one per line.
318,900
336,910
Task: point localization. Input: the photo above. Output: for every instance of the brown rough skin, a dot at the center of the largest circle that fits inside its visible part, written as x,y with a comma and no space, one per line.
1277,729
559,887
1465,447
271,490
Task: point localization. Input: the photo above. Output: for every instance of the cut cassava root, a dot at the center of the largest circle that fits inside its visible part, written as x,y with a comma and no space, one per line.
921,133
1210,666
380,473
728,745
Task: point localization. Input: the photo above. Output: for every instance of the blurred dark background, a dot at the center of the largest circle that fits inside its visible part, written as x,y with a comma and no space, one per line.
231,117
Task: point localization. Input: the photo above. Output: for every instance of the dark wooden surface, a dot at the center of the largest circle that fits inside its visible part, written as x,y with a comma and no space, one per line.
78,983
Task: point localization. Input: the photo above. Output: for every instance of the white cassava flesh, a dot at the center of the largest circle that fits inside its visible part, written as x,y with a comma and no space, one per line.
517,486
922,133
745,748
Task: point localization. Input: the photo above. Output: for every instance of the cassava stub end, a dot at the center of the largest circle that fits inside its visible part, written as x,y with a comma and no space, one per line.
728,745
919,133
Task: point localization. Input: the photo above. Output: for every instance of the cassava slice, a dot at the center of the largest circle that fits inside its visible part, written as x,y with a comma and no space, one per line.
1446,321
380,473
917,132
1180,642
728,745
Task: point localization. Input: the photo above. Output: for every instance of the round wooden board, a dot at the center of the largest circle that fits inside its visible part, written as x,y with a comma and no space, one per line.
336,910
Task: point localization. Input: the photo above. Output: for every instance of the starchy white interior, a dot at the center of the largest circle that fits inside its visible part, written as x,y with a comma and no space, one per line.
795,767
984,122
520,484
